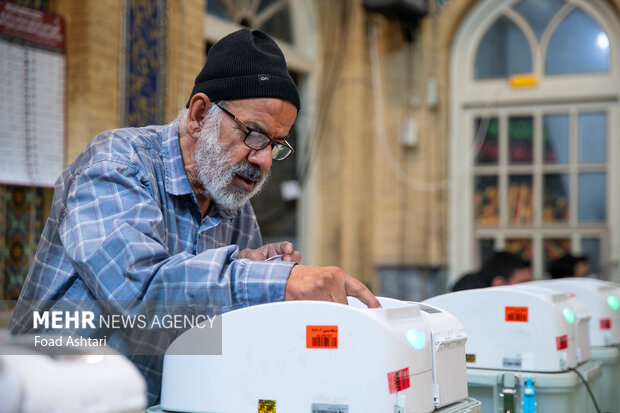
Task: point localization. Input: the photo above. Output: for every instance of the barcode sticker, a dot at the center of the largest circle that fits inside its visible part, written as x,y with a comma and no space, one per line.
561,342
605,323
329,408
266,406
321,336
398,380
517,314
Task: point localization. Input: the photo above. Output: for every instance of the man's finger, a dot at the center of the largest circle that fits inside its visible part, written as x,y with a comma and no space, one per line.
287,248
358,290
277,248
339,296
254,255
294,257
282,248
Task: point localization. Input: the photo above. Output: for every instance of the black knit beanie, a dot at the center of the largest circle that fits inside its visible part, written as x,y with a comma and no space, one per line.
246,64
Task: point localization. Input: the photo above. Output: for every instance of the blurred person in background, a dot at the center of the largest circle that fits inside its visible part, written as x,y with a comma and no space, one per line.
570,265
500,268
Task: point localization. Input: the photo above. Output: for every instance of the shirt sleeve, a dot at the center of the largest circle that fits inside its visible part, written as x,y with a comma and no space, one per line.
114,232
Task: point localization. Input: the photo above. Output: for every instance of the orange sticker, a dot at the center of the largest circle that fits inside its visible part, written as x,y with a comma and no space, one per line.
517,314
321,336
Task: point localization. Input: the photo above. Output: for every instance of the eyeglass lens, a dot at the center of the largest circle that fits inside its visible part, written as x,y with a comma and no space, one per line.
258,141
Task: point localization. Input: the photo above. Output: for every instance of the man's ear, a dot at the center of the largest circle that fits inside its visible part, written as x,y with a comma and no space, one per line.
199,105
497,281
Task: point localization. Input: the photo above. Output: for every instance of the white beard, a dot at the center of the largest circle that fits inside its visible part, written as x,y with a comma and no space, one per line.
216,170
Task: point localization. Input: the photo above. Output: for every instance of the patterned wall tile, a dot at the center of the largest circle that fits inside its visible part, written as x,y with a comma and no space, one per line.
146,62
21,224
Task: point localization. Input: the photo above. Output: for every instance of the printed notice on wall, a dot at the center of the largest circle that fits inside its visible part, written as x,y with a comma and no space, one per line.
32,96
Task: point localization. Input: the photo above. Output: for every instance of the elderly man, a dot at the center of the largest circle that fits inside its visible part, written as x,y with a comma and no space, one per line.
161,214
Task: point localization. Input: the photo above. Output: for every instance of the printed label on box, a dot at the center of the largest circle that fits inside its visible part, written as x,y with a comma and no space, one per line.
329,408
266,406
561,342
517,314
321,336
511,362
398,380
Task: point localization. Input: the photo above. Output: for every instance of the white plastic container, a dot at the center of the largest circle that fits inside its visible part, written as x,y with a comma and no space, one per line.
514,329
448,340
609,357
467,405
555,392
363,361
36,379
600,298
580,314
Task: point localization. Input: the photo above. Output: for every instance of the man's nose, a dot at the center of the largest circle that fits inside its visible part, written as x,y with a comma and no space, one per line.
262,158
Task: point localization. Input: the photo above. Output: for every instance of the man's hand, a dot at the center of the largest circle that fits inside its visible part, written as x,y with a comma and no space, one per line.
283,248
326,284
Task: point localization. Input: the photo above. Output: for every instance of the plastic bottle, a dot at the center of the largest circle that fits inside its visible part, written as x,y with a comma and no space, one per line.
529,397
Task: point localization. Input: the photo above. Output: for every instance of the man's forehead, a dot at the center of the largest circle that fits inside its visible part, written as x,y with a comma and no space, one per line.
279,111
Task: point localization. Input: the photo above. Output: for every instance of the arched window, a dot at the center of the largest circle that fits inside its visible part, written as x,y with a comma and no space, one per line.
503,51
538,13
534,111
578,45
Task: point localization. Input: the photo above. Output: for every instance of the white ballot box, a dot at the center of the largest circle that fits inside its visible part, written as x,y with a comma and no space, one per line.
601,300
66,379
514,329
311,356
576,313
516,332
448,340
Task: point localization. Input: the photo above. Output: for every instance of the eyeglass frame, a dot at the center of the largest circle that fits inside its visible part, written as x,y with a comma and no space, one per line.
270,141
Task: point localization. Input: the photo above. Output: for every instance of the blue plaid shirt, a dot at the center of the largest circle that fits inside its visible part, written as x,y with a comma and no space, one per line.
125,226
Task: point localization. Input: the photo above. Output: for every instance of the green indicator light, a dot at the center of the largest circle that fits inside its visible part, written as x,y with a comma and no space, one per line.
569,315
415,338
613,302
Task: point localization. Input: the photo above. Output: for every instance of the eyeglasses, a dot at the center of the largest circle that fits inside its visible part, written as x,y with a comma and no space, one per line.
257,140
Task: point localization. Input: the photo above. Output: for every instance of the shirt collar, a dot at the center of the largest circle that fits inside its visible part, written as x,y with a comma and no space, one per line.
176,178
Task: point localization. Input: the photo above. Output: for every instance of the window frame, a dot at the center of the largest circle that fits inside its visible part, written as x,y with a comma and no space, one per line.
537,230
553,94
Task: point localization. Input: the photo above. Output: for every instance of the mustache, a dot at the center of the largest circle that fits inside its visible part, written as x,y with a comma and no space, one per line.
247,170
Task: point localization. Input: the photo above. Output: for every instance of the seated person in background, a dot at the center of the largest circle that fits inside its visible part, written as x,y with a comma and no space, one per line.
500,268
569,265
